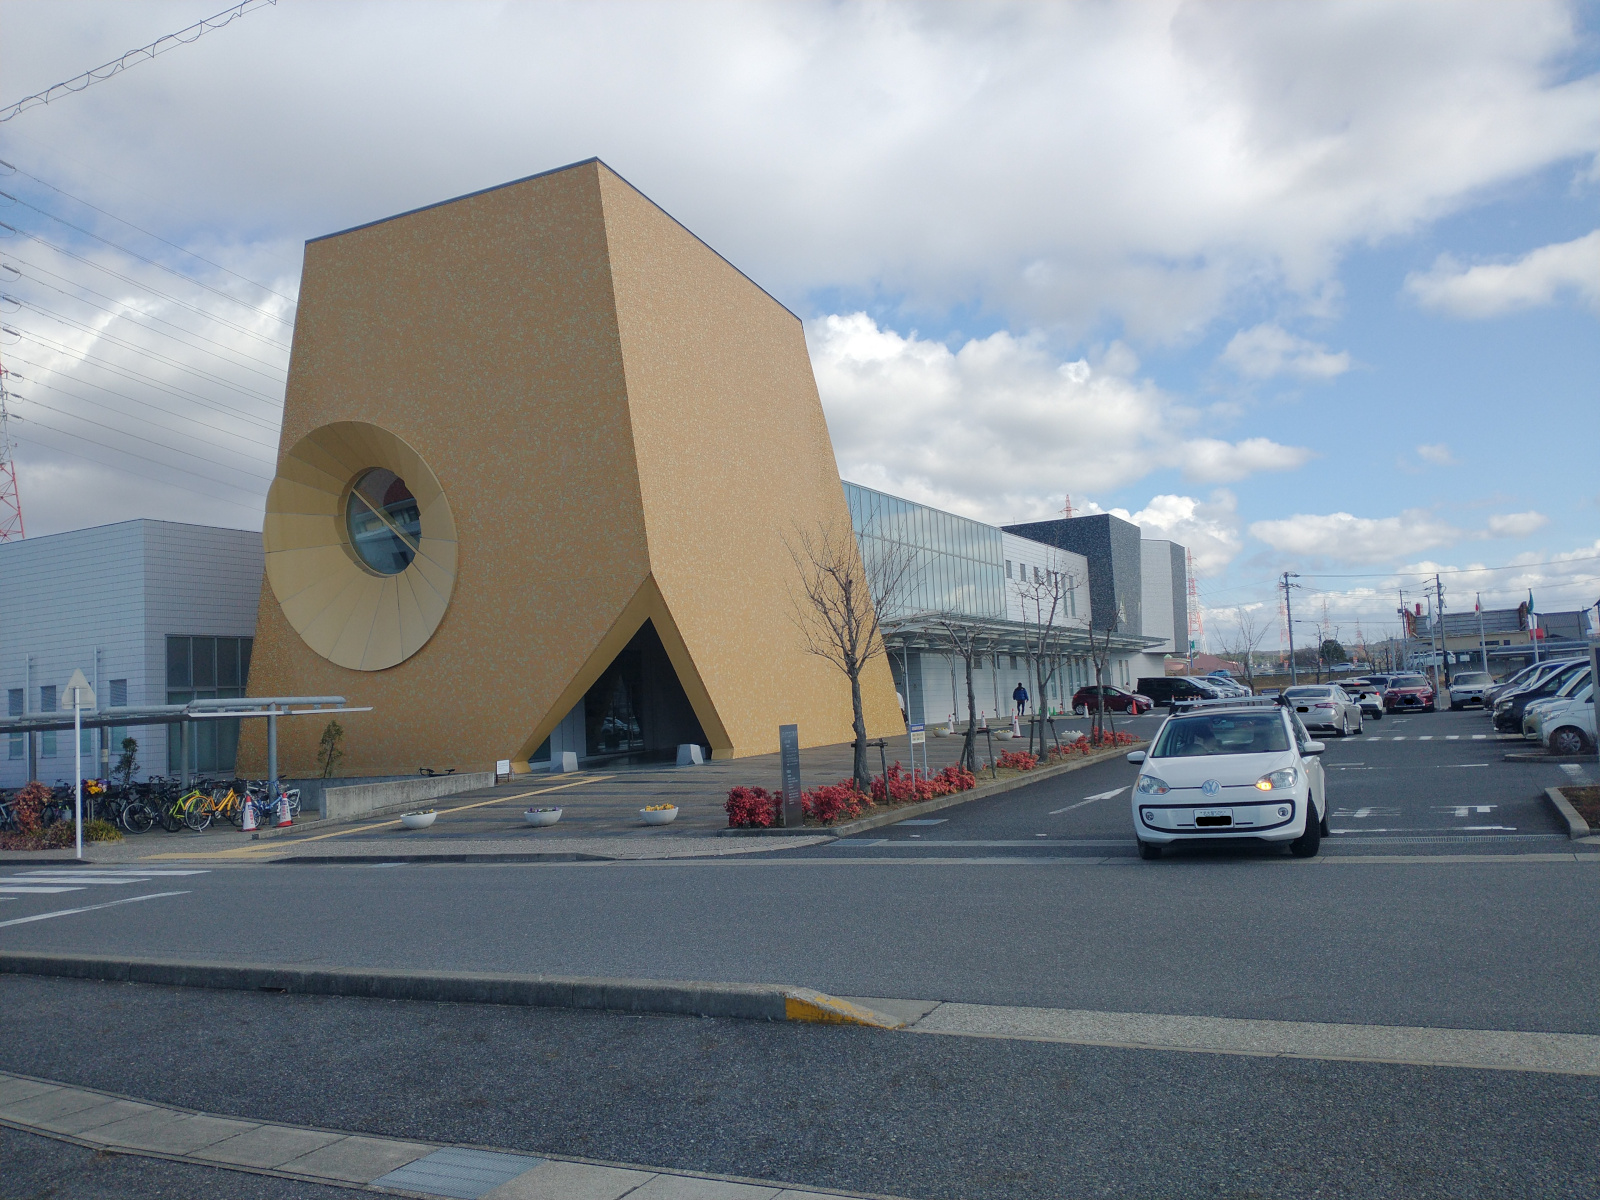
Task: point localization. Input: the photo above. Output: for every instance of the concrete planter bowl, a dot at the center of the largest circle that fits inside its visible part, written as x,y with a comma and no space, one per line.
541,817
658,816
418,820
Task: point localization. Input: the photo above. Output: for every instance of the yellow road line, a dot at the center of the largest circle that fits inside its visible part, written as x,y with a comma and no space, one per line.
276,846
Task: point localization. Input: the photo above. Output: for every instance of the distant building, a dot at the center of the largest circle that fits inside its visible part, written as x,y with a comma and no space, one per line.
152,612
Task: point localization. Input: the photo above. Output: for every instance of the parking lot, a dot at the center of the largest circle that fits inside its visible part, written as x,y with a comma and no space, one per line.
1413,784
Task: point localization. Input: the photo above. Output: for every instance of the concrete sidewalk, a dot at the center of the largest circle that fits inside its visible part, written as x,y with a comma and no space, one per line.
600,816
121,1125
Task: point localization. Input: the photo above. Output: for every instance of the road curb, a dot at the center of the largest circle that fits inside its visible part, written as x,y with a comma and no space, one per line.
1577,827
752,1002
1540,756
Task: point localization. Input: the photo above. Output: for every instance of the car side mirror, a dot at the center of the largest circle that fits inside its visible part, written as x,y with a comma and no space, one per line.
1312,748
1136,756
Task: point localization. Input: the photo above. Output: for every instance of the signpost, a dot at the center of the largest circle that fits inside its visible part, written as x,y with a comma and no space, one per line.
919,737
793,815
82,696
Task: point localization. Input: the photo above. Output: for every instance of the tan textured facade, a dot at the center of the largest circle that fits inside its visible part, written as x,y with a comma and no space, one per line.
624,427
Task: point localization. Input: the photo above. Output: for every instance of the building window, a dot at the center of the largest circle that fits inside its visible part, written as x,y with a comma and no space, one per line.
1008,568
14,701
47,698
203,668
16,748
47,744
119,693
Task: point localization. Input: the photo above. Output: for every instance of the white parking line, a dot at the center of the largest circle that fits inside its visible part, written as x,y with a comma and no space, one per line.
1426,737
1401,738
1479,737
1452,737
67,912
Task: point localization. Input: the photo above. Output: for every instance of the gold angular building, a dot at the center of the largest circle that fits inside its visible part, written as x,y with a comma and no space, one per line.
541,450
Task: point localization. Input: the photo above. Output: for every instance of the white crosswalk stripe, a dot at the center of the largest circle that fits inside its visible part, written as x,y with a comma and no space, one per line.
52,883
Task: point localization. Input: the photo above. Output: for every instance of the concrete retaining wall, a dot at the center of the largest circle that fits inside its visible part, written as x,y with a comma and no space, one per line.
366,799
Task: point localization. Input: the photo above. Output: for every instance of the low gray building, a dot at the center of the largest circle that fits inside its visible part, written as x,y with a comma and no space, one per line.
152,612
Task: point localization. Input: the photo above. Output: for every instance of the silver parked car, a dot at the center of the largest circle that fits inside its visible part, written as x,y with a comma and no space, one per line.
1469,688
1325,706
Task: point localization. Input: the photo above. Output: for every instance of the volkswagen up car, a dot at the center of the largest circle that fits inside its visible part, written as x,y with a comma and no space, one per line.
1230,769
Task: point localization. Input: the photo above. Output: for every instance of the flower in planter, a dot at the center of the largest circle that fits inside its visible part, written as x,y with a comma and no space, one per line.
658,807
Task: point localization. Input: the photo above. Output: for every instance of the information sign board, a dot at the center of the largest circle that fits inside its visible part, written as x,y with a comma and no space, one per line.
793,815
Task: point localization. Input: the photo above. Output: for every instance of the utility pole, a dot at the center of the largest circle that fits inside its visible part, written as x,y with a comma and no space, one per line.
1444,646
1483,647
1288,607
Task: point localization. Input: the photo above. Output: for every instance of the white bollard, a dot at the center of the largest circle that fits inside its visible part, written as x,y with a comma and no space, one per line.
690,755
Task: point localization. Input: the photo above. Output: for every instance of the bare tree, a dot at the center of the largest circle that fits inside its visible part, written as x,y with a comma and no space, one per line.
838,603
967,639
1043,598
1100,654
1251,632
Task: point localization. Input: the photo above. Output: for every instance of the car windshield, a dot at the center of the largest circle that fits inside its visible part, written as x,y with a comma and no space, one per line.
1471,679
1309,693
1408,681
1222,733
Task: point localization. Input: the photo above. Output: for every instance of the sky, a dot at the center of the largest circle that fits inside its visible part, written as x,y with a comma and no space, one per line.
1307,287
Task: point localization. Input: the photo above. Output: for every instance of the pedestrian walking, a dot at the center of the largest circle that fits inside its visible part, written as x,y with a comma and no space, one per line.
1021,697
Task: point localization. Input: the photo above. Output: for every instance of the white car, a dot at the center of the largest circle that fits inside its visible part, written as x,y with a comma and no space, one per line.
1538,711
1230,770
1366,695
1570,728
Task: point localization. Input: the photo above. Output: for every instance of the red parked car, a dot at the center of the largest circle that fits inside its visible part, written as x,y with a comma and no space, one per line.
1084,700
1409,693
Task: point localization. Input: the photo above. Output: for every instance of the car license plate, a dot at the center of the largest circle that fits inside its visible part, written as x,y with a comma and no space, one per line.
1213,816
1302,709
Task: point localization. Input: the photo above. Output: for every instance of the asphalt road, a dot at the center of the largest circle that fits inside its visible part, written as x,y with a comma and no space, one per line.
1423,911
822,1106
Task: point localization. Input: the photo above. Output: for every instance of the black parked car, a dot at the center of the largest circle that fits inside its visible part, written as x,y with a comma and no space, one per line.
1164,689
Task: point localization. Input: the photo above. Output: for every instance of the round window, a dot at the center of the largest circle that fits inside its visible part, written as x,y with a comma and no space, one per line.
384,522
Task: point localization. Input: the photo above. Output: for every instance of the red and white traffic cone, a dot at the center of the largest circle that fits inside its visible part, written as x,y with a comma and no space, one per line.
249,814
1016,727
284,819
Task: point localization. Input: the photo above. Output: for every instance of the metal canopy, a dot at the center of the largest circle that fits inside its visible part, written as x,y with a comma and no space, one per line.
174,714
925,631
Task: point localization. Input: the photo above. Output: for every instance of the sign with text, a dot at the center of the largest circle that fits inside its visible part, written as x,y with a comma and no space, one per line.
919,734
793,815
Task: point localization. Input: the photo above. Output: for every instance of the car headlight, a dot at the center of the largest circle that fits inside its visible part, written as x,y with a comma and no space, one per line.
1285,778
1149,785
1502,705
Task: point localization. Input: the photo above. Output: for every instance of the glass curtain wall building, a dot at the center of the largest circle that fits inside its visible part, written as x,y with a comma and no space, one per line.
976,576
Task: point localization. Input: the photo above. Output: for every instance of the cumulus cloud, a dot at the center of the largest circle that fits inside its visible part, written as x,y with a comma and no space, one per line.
1208,528
1517,524
1270,350
1538,278
1351,539
1158,158
1436,454
1000,428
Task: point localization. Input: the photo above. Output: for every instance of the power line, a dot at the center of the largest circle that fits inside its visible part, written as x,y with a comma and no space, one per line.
61,412
146,232
116,66
164,481
50,312
160,266
143,287
215,407
161,358
1453,571
131,309
252,440
133,376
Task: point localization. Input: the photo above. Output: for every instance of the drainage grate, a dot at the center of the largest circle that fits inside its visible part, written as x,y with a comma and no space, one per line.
461,1174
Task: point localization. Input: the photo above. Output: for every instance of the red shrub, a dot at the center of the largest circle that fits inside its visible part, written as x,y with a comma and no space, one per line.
834,802
1017,760
751,808
29,805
